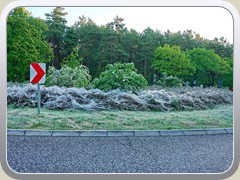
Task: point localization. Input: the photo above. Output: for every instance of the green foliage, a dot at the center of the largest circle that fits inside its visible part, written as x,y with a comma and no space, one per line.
189,40
55,36
69,77
70,41
110,49
117,24
186,39
25,44
148,43
34,40
170,81
220,46
90,38
171,60
209,66
228,78
121,76
72,60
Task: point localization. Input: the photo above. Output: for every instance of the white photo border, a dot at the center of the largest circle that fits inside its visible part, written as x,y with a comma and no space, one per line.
123,3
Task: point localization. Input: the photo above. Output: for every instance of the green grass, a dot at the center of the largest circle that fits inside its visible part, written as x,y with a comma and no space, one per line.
27,118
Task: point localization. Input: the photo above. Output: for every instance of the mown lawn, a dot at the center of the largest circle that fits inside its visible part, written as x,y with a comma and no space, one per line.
27,118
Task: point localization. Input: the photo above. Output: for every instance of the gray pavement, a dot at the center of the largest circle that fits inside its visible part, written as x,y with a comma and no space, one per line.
209,153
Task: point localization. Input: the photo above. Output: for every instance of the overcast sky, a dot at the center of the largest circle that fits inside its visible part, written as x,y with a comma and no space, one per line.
209,22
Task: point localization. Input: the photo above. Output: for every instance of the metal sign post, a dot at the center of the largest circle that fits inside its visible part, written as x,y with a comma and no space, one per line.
39,99
38,76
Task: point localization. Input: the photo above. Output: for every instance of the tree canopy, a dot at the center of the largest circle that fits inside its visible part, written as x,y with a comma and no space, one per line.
208,64
171,60
185,55
25,44
55,35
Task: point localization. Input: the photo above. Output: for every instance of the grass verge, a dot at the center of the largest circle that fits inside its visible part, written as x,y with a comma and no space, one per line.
27,118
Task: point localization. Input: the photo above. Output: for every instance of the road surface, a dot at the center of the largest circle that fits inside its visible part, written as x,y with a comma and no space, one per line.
170,154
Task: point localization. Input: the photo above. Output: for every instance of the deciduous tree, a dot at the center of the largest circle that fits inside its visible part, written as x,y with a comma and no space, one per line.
171,60
25,44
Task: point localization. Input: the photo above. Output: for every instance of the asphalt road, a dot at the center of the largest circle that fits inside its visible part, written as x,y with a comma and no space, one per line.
170,154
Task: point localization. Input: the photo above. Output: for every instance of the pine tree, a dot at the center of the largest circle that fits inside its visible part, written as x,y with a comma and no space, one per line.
57,27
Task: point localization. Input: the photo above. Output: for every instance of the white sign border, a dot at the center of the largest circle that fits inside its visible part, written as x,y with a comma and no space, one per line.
33,73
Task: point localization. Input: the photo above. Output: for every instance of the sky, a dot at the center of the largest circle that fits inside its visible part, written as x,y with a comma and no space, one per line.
209,22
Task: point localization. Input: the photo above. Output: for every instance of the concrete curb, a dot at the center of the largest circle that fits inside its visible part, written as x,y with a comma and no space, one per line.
124,133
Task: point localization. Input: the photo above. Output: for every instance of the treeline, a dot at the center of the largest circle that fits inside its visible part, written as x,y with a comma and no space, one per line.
153,52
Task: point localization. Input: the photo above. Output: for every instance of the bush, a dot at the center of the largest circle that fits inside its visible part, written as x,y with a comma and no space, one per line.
68,77
120,76
169,81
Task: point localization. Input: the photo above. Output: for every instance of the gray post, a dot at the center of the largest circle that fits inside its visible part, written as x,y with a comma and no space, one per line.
154,79
57,75
39,98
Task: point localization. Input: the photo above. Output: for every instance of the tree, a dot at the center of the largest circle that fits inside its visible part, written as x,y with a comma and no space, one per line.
189,40
185,40
131,40
221,47
110,49
89,38
70,40
209,66
171,60
73,59
148,43
25,44
117,24
82,21
228,77
57,27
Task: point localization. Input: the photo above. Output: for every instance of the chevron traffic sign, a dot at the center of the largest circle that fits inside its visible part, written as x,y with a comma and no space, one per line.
37,73
37,76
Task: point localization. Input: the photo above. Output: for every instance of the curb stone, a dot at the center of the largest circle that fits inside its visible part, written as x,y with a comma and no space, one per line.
216,131
195,132
16,132
93,133
38,133
146,133
172,133
121,133
66,133
229,130
118,133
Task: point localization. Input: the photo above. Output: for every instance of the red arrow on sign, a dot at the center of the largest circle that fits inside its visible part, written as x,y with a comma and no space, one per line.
40,73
